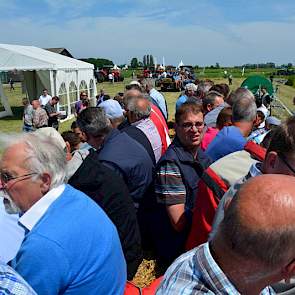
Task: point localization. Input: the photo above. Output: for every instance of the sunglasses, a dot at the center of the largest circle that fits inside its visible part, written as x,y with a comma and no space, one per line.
188,126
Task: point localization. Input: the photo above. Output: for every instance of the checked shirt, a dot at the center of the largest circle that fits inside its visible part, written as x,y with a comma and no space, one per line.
12,283
196,272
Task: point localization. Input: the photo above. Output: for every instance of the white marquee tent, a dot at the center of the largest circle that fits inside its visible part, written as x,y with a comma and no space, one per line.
180,64
61,75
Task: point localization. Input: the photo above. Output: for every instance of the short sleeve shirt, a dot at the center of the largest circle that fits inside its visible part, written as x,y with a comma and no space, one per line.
169,186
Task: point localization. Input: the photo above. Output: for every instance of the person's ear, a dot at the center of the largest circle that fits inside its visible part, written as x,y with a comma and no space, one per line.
269,162
256,120
289,270
84,135
68,151
45,183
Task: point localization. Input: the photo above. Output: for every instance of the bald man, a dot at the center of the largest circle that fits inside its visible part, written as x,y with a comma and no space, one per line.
253,248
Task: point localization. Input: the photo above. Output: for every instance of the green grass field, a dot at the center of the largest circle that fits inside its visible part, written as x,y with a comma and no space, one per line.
14,124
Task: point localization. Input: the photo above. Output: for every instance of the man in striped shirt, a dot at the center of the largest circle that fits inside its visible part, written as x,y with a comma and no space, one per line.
177,182
253,248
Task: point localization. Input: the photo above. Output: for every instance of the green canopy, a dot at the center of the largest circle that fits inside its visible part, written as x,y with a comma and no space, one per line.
254,83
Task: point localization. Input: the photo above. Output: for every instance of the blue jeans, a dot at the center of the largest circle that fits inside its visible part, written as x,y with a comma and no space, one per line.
27,128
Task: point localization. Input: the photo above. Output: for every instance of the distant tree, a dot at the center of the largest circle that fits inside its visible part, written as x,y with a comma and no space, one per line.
140,64
98,62
289,65
217,66
134,63
151,61
148,60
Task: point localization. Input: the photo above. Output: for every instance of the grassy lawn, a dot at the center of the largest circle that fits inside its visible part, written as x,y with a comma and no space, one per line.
14,124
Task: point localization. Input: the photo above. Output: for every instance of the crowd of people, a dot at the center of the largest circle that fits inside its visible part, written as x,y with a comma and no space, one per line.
214,207
41,112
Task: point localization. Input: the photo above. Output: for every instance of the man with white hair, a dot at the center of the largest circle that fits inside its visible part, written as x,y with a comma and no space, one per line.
190,91
53,258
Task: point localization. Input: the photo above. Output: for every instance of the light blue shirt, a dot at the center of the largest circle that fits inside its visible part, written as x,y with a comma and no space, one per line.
182,99
160,100
11,234
12,283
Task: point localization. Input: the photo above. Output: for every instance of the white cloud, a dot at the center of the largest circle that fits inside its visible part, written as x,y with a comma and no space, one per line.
120,39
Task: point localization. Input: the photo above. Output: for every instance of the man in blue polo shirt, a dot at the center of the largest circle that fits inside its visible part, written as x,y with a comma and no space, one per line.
233,138
70,245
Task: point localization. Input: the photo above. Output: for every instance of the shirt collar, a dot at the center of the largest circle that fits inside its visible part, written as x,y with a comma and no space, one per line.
215,276
255,169
217,279
30,218
138,122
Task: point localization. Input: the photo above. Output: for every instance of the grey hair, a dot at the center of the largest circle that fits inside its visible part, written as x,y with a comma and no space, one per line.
272,247
93,121
204,86
44,154
149,83
130,94
238,94
244,110
211,97
133,106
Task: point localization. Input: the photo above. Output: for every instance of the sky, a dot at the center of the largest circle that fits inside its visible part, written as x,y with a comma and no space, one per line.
198,32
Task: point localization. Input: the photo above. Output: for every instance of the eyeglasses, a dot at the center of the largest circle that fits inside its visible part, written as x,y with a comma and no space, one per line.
284,160
6,177
189,125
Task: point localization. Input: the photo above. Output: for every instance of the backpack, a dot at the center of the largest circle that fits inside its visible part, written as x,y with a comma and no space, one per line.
211,190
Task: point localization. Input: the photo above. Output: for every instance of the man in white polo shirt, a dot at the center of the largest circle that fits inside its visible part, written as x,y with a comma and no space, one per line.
44,98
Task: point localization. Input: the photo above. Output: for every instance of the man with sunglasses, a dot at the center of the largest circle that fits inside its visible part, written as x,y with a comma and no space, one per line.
279,159
177,182
70,245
